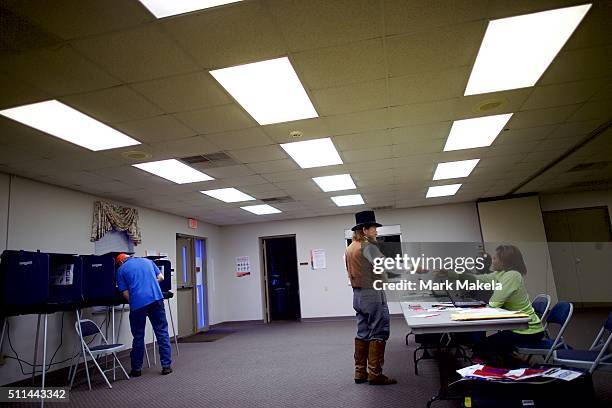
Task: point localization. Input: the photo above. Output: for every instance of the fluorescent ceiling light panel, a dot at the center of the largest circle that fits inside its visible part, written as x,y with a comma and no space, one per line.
442,191
516,51
335,183
174,170
228,195
313,153
261,209
455,169
346,200
269,90
166,8
476,132
66,123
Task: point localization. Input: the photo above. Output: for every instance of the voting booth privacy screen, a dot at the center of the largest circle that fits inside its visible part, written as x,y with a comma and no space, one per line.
38,282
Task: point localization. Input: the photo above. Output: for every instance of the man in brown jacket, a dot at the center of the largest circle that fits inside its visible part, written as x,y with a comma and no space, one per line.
370,304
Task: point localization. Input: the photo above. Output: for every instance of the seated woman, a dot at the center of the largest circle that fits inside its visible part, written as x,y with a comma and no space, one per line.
510,270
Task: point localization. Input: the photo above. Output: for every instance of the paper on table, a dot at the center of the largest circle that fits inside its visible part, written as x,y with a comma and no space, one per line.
426,315
562,374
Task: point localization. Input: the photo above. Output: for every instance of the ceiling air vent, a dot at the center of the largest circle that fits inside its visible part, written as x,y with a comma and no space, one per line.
278,200
218,159
590,166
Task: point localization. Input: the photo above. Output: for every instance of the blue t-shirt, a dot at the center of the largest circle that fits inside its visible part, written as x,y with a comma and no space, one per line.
139,277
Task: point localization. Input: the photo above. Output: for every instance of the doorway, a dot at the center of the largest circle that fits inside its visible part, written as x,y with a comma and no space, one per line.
280,279
191,285
580,245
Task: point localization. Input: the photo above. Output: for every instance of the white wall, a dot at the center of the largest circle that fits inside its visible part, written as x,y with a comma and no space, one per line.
325,293
519,221
55,219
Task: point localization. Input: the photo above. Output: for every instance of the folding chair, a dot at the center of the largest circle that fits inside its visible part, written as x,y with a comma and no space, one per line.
560,314
597,356
541,305
86,328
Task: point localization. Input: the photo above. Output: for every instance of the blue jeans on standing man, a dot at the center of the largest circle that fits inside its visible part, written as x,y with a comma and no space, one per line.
157,316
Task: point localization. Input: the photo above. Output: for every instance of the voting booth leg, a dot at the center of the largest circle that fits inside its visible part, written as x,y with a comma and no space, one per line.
154,347
44,362
114,342
4,323
35,350
173,330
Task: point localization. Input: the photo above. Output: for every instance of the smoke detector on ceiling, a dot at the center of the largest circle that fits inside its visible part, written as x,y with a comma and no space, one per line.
488,105
136,155
295,134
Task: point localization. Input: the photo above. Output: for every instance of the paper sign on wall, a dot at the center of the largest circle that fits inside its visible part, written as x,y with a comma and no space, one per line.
317,259
243,266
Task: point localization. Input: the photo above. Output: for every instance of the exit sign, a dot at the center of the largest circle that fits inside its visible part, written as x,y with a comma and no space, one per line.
193,224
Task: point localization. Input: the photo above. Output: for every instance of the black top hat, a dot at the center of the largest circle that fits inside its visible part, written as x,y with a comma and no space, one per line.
365,219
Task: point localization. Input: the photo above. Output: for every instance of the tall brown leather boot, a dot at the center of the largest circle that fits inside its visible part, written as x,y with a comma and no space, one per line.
376,360
361,361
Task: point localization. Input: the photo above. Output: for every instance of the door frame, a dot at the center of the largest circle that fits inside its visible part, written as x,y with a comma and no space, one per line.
265,295
194,278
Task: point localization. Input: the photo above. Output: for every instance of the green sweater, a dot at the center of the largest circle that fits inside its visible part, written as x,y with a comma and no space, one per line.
513,295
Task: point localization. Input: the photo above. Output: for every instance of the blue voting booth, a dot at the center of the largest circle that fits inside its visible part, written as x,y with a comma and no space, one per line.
37,282
100,280
165,267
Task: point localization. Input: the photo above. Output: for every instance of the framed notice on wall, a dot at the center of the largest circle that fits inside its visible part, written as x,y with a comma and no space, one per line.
317,259
243,266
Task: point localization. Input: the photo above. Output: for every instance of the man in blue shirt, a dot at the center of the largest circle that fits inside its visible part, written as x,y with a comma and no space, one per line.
138,280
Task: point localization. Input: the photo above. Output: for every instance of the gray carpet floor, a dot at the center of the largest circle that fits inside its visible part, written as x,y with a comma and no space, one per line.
284,365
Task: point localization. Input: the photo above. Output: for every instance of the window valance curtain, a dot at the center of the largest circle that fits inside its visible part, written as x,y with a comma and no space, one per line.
108,217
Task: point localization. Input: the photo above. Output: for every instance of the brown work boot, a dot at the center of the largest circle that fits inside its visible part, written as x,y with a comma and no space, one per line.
376,360
361,361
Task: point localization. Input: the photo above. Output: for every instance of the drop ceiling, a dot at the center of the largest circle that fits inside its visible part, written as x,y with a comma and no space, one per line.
386,77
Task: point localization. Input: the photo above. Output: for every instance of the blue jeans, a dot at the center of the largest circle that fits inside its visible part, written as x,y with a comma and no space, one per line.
372,314
157,316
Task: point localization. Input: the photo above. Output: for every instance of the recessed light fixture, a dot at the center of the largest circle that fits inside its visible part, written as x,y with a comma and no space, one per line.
66,123
313,153
174,171
269,90
261,209
335,183
346,200
515,51
165,8
455,169
476,132
442,191
228,195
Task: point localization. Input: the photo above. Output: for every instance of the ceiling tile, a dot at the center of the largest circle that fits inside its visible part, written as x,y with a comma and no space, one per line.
598,110
443,48
230,35
190,146
183,92
363,140
274,166
358,122
10,155
137,54
286,176
336,22
574,65
481,105
427,86
155,129
76,18
58,70
250,180
260,188
524,135
238,139
540,117
351,98
423,146
118,104
421,113
259,154
16,92
341,65
405,16
310,128
229,172
569,129
413,134
372,153
216,119
562,94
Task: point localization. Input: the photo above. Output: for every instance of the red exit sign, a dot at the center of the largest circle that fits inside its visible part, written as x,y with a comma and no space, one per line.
193,224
